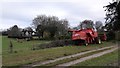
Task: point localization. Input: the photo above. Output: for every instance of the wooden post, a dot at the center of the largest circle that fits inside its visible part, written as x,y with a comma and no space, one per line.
11,47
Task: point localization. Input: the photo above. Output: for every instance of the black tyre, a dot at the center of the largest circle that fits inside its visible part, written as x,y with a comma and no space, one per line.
85,43
98,41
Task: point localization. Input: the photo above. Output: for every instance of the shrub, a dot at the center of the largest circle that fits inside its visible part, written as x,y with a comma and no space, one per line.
111,35
117,36
56,43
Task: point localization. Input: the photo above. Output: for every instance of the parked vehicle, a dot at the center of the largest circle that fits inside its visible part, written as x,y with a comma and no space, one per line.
87,35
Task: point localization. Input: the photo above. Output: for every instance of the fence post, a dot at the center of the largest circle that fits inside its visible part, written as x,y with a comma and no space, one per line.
11,47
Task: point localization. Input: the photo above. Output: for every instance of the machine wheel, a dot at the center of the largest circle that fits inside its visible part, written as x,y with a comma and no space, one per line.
98,41
76,42
85,43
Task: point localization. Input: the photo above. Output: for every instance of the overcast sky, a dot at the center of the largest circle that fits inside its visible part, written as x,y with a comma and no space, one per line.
22,12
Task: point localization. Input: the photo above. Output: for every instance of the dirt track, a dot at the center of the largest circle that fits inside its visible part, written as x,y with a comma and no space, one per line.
74,55
88,57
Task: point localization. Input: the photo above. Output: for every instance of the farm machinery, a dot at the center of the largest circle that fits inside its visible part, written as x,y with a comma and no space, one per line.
87,36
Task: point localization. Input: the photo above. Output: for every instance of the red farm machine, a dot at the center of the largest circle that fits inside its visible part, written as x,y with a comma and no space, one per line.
87,36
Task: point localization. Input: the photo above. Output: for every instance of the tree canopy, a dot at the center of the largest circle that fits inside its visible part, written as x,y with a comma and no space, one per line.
14,31
50,24
85,24
113,16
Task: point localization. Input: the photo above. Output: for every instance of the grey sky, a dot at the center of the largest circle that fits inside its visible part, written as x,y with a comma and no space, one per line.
22,12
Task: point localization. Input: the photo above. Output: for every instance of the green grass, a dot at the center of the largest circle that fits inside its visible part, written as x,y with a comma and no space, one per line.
101,61
0,45
74,58
17,46
0,51
25,55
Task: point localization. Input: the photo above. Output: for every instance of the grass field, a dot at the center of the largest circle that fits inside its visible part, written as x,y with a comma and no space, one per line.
25,55
17,46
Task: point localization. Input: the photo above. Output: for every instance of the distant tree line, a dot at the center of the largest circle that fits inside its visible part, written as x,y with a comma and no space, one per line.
16,32
46,27
50,28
